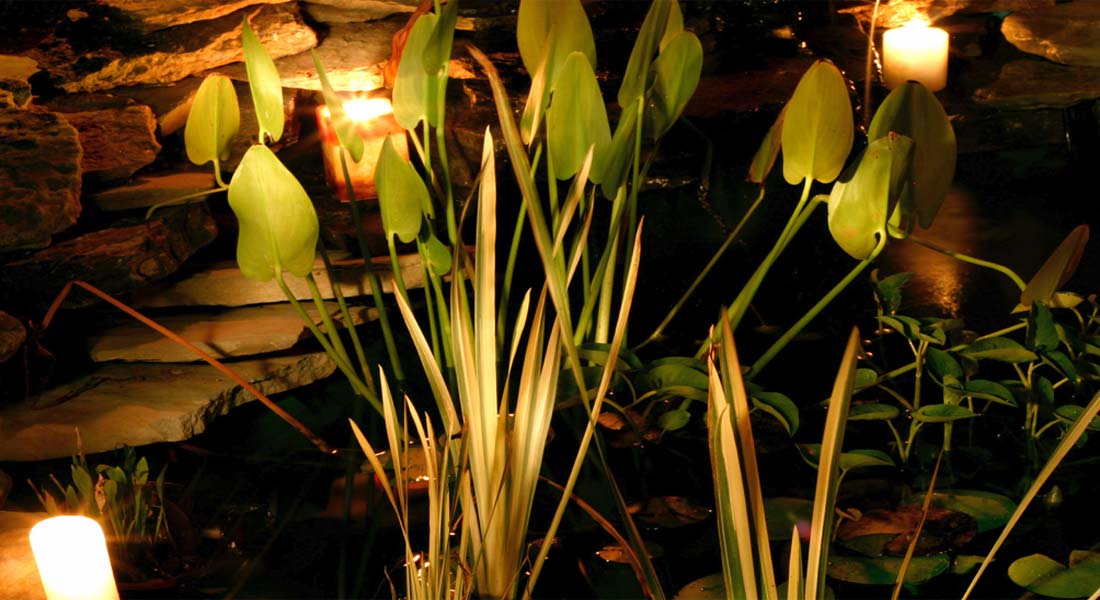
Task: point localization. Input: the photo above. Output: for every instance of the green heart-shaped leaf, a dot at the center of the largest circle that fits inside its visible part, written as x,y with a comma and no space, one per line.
1042,575
576,119
913,111
764,159
676,75
860,202
413,91
818,127
214,119
278,225
663,22
779,406
402,194
263,80
547,32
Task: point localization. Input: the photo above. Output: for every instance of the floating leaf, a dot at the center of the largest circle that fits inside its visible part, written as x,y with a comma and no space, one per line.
1058,268
784,514
764,159
779,406
860,202
1040,574
414,89
711,587
965,563
278,225
998,348
576,119
263,80
214,119
818,128
859,459
865,377
872,412
345,128
942,413
913,111
674,419
676,75
991,511
884,570
890,530
664,375
402,194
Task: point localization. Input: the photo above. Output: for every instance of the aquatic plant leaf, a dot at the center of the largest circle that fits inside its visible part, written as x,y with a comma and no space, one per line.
662,22
913,111
1063,364
779,406
942,364
676,75
783,514
278,224
711,587
264,82
860,202
1058,268
437,52
576,119
998,348
888,290
990,510
674,419
818,128
344,127
616,164
1068,413
1042,335
402,194
990,390
214,119
942,413
764,159
437,254
1043,575
413,90
965,563
865,377
565,21
859,459
883,570
872,412
664,375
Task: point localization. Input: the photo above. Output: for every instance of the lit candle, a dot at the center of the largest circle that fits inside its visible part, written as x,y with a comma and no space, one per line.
71,554
915,52
373,119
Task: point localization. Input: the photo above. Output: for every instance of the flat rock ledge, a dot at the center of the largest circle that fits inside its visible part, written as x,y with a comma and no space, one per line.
18,573
137,404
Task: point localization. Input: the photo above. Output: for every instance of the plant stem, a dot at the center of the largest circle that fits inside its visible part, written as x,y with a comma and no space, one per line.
909,367
356,343
372,275
183,200
974,261
702,274
815,310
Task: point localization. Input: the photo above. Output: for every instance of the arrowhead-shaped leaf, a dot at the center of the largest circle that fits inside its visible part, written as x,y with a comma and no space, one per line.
278,225
345,128
913,111
263,80
402,194
860,204
764,159
213,121
413,93
676,75
818,128
577,118
663,21
1058,268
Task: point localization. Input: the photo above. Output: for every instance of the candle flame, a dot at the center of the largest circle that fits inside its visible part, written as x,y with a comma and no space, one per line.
362,110
917,22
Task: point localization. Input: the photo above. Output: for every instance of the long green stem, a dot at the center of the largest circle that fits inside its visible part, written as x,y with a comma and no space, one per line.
815,310
974,261
703,274
326,319
372,275
741,304
356,343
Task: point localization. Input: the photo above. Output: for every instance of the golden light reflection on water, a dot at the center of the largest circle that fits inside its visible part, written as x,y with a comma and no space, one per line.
939,281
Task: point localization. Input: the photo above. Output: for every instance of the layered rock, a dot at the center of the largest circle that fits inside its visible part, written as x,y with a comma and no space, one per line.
117,140
39,177
170,54
356,11
1036,84
153,15
15,89
1065,33
897,14
12,336
118,259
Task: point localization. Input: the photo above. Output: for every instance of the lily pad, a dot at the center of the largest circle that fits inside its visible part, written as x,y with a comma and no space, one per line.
892,529
884,570
990,511
711,587
783,514
1040,574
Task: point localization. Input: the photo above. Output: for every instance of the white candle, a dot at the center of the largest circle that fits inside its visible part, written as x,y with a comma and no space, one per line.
915,52
71,554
